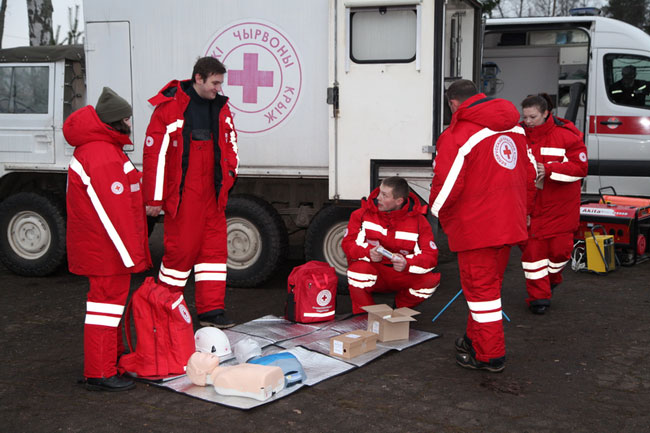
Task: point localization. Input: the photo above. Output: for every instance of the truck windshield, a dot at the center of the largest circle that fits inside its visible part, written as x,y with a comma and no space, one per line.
24,89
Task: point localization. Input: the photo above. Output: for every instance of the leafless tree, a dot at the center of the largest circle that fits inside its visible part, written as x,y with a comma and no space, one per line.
3,13
521,8
39,16
74,34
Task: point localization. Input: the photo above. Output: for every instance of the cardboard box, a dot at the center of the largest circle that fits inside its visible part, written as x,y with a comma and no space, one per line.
390,324
353,344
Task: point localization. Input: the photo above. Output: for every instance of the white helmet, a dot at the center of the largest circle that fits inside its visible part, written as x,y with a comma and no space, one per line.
212,340
246,349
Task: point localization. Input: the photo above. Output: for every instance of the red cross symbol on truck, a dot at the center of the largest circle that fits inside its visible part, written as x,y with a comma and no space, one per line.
250,78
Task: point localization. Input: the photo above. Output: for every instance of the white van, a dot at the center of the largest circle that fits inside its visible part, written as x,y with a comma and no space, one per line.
580,62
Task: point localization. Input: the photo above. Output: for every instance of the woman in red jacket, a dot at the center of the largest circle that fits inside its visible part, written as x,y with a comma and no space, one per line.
107,229
561,159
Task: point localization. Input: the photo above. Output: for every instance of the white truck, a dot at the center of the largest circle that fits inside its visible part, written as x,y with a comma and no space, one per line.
577,60
328,96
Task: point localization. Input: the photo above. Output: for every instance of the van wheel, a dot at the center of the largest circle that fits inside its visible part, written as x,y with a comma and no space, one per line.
32,234
323,240
257,240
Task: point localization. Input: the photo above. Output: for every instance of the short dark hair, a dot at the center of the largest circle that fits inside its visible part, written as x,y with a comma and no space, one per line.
461,90
399,186
542,102
207,66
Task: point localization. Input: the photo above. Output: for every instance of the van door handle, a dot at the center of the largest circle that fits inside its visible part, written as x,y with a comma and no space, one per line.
611,122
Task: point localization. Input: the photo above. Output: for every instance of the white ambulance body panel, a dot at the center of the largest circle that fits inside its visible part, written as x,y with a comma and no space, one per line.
524,56
279,49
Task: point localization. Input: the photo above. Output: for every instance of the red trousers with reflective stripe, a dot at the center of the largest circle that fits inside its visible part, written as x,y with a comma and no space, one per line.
408,286
102,331
197,236
481,276
543,261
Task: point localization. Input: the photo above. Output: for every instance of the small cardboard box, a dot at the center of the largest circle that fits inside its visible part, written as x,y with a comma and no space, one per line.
353,344
390,324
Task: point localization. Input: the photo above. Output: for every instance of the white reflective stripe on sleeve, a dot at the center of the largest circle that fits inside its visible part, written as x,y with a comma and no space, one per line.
331,313
362,277
532,160
419,270
177,302
171,281
616,91
181,275
484,305
160,169
233,141
210,276
201,267
487,317
361,238
457,165
128,167
531,266
367,225
552,151
564,177
536,275
96,319
76,166
364,259
407,236
100,307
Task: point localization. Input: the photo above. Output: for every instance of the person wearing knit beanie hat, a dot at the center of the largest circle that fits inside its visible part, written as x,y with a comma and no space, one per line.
101,177
111,107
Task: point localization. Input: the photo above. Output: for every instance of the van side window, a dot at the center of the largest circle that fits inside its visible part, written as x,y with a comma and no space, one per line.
627,78
24,89
370,40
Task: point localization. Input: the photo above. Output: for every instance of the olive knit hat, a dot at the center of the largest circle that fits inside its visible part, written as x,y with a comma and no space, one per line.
111,107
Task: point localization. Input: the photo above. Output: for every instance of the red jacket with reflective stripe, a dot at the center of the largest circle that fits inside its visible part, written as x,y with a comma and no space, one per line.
163,148
481,176
558,144
405,231
106,224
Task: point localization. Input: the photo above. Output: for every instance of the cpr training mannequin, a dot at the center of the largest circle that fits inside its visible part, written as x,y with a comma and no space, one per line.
245,380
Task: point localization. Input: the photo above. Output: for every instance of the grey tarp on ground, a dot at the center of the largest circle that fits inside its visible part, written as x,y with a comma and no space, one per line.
309,343
317,368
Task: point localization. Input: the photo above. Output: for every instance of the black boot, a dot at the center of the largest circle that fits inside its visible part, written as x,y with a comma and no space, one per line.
112,384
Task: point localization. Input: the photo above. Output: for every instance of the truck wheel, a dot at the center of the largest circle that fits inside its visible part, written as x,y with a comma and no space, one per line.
257,240
323,240
32,234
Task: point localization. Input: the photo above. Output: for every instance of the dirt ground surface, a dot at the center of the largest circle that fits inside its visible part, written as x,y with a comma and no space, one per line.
582,367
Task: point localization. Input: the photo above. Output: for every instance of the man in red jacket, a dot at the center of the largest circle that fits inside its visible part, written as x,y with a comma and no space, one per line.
396,227
107,229
190,163
479,193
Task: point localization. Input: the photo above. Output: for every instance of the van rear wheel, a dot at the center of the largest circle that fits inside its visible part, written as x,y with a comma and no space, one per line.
257,240
32,234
